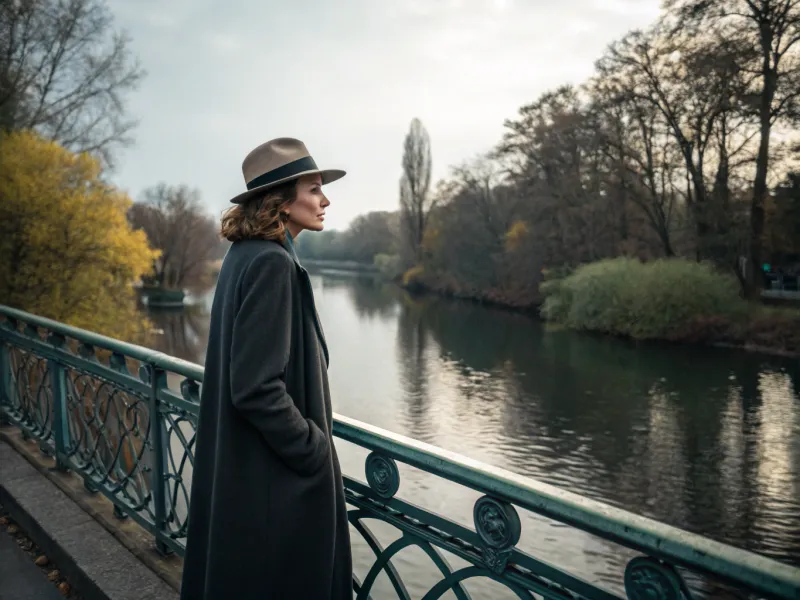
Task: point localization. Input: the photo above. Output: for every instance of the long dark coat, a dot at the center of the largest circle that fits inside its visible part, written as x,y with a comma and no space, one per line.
267,517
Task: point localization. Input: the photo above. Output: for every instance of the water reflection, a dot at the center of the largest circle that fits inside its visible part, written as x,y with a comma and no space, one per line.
181,332
412,345
705,439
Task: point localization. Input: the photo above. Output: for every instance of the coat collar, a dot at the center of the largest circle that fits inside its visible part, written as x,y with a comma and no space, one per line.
288,243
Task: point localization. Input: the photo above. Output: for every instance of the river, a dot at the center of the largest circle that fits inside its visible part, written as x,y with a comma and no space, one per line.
705,439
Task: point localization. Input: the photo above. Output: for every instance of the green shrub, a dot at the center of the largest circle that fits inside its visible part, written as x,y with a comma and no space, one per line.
388,265
642,300
558,299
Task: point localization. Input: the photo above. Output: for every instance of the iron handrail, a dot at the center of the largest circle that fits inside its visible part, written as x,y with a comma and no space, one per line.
695,552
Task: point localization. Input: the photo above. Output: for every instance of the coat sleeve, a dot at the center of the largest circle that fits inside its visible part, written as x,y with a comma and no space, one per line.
260,347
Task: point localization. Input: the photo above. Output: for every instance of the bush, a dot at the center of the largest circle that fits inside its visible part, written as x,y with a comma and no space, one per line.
558,300
413,279
388,265
642,300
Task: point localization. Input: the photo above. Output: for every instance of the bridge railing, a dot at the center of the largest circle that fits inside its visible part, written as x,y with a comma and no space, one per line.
123,418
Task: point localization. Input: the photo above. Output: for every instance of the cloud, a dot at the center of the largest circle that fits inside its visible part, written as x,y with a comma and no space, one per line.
224,43
578,26
347,78
627,7
161,19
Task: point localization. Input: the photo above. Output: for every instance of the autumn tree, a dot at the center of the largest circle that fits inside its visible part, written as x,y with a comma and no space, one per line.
662,153
648,70
67,251
65,71
643,162
178,226
557,163
415,198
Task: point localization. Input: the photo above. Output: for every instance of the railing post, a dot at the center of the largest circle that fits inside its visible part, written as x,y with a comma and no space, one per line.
5,383
58,383
158,381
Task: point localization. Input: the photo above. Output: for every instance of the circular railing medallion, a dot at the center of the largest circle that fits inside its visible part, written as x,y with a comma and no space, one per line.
382,475
649,579
497,523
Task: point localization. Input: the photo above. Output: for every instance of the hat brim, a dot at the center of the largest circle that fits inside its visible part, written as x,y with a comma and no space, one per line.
328,176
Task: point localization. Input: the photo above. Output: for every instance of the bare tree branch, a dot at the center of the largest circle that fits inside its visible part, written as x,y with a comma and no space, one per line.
65,71
176,224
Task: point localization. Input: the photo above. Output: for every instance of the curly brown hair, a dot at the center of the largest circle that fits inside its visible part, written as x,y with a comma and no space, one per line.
260,217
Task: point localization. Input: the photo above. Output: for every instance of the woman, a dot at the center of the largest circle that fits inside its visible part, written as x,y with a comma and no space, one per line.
267,517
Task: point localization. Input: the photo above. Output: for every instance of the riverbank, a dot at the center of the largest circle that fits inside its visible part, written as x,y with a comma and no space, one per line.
769,330
339,265
675,300
753,328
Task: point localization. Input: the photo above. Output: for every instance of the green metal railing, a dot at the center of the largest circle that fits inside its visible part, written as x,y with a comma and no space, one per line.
123,418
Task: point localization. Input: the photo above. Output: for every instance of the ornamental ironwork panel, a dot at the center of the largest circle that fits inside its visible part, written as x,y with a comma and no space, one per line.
123,418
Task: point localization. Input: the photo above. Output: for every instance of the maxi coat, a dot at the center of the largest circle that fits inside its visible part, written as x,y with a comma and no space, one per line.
267,517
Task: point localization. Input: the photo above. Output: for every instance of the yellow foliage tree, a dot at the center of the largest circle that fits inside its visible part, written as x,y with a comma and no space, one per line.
515,234
67,251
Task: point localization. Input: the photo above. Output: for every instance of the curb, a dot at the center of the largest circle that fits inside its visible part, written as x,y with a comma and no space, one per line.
66,565
120,562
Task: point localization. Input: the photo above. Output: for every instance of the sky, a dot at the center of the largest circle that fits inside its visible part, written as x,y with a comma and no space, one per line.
346,77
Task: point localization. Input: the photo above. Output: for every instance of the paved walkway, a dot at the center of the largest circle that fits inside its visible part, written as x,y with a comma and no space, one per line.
91,557
20,579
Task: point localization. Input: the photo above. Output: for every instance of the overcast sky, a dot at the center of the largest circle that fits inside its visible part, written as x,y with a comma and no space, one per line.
346,77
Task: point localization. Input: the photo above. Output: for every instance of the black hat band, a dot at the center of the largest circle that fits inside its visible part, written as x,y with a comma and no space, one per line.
301,165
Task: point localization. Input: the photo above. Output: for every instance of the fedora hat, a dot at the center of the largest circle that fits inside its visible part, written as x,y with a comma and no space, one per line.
278,161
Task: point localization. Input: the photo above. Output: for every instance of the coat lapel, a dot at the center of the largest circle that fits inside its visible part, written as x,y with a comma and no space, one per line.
309,295
317,324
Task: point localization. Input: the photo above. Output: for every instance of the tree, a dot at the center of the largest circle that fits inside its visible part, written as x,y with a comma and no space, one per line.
558,164
64,71
771,28
176,224
648,68
643,160
415,200
783,221
369,235
67,251
322,245
660,154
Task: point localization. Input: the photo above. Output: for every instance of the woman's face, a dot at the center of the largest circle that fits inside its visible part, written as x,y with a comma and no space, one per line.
308,209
